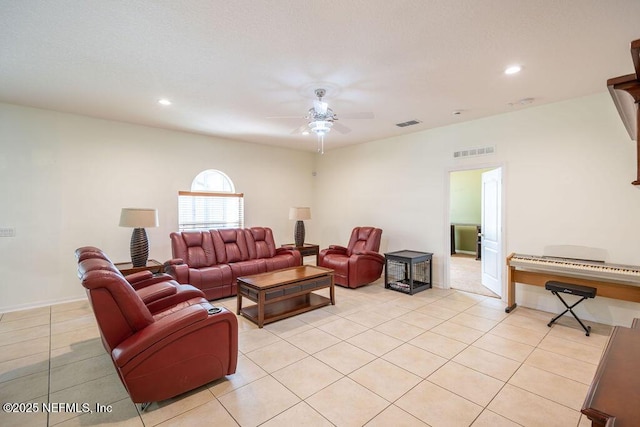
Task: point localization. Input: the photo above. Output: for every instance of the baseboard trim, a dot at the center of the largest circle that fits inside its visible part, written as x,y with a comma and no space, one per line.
29,306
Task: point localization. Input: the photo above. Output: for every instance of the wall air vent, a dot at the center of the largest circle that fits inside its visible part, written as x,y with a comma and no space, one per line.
409,123
474,152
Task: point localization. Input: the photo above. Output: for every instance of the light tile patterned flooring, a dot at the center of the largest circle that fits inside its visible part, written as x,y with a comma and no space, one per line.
377,358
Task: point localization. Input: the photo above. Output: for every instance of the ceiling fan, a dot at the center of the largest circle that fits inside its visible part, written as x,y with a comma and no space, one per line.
321,119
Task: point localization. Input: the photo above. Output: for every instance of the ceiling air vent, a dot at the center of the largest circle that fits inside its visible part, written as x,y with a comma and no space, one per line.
474,152
409,123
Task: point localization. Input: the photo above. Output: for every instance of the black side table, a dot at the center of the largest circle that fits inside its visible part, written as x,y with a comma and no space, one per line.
407,271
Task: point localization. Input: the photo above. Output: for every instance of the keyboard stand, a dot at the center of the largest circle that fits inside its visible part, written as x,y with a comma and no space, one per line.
584,292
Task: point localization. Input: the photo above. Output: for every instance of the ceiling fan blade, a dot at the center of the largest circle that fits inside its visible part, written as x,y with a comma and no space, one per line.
360,115
320,107
339,127
284,117
300,129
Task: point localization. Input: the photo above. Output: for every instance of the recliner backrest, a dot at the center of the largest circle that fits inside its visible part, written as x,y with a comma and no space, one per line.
364,239
260,242
234,242
118,309
90,264
194,247
88,252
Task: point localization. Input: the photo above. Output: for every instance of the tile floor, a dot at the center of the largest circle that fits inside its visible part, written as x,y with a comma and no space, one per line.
377,358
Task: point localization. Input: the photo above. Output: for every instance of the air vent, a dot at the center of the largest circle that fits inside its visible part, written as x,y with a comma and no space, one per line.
473,152
409,123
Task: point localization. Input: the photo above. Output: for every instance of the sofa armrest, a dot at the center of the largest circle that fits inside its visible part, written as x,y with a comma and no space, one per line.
170,327
291,252
331,251
173,261
140,280
178,270
374,256
338,248
280,251
137,277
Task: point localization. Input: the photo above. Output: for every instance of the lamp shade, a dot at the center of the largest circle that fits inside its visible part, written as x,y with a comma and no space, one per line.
138,217
300,214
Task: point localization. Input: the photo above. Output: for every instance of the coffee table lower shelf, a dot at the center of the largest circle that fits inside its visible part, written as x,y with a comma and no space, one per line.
286,308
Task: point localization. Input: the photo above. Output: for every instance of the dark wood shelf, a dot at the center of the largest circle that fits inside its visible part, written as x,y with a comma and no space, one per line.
286,308
127,268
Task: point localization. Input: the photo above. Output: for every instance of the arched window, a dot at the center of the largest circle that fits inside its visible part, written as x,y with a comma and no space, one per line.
211,203
212,180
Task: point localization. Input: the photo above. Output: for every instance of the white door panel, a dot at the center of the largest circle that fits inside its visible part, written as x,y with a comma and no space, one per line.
491,230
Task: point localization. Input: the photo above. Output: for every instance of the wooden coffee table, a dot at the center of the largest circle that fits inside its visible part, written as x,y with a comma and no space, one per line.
284,293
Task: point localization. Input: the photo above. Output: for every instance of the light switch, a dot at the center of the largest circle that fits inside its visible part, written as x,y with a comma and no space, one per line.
7,232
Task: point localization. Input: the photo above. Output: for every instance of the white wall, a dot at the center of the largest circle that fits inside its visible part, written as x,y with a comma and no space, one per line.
64,179
567,173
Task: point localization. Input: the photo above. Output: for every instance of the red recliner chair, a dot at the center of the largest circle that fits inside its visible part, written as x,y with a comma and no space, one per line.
158,291
161,355
359,263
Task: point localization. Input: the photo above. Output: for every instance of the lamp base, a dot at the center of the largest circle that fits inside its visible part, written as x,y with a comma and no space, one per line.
299,233
139,247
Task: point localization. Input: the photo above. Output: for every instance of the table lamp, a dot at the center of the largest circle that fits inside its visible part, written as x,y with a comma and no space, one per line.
299,214
139,218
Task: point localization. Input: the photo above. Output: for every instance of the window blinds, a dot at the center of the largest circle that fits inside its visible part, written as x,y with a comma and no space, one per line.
208,210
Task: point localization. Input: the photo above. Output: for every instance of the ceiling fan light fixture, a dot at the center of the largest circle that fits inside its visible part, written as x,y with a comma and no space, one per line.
320,127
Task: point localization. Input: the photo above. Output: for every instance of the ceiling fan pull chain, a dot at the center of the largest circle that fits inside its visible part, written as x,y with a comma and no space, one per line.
321,143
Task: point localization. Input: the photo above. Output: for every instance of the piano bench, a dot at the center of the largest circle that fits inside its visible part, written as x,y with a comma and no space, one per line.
584,292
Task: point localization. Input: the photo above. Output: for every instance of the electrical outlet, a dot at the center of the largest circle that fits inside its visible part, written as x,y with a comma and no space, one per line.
7,232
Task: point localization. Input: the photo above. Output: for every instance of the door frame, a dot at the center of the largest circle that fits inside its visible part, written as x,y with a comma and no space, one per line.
447,213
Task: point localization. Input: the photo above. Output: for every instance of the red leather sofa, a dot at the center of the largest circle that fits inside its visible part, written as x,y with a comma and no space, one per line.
164,354
359,263
213,260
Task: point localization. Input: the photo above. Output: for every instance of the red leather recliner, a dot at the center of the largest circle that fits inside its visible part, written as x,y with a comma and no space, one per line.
359,263
157,291
161,355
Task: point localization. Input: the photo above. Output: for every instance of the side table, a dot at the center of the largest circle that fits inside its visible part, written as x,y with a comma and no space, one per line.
407,271
127,268
307,249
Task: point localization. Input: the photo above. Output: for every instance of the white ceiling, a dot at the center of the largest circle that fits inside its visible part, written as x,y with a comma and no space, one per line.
229,65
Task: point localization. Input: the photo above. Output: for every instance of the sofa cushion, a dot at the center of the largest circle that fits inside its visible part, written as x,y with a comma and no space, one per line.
209,277
281,261
260,242
247,268
235,244
194,247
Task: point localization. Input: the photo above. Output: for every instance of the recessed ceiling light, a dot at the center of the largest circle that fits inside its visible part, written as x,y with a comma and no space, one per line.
164,101
513,69
306,132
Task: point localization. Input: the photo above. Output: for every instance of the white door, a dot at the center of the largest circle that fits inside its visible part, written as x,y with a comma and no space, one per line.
491,230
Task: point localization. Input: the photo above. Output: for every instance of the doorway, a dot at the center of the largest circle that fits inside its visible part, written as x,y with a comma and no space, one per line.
475,222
